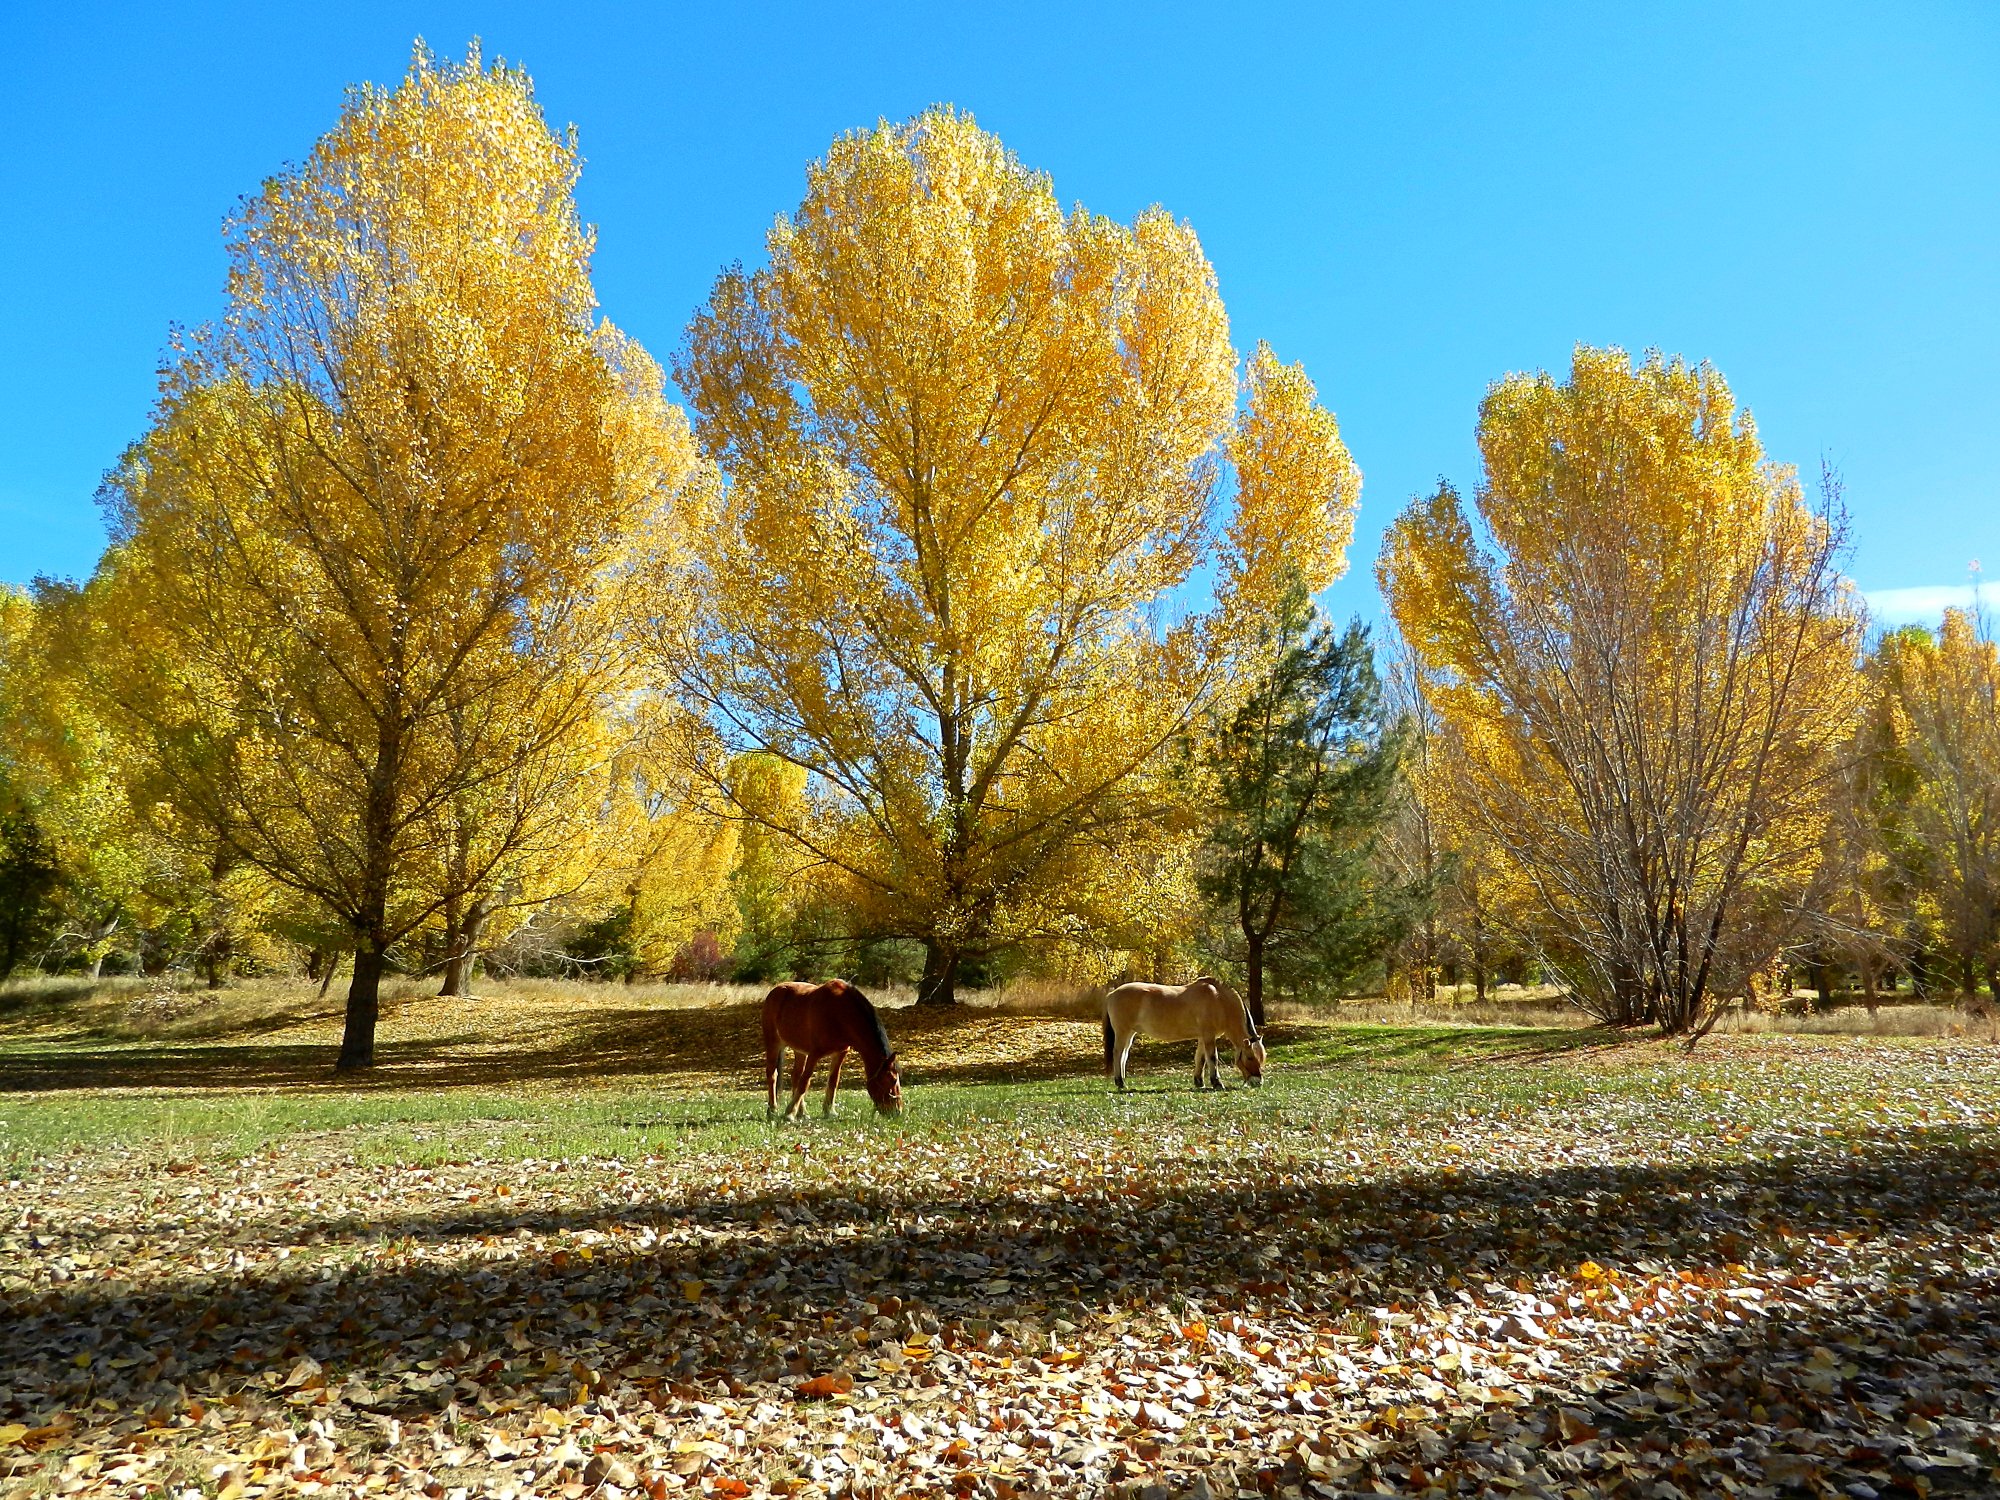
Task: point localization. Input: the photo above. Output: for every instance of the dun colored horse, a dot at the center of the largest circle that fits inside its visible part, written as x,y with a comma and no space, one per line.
817,1021
1205,1012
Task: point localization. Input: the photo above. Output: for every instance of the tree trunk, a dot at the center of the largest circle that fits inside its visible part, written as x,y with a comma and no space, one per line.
939,986
332,968
97,968
364,993
1968,979
1253,964
1869,995
462,938
369,918
454,941
1628,998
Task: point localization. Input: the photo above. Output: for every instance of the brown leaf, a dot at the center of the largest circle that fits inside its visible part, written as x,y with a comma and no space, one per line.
1575,1425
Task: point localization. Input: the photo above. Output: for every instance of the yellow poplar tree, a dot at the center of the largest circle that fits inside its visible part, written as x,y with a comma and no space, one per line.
973,446
1941,693
1649,666
374,556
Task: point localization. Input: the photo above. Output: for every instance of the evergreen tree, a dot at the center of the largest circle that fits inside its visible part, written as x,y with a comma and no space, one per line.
1305,774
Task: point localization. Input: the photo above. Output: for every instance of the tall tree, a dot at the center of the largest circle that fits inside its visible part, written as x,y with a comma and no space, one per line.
371,563
1305,776
1652,671
972,447
1941,693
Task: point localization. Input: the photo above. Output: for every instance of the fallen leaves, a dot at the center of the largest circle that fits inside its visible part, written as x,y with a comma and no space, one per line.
1578,1297
825,1387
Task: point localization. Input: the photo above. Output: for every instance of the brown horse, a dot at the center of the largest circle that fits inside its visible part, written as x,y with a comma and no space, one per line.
820,1020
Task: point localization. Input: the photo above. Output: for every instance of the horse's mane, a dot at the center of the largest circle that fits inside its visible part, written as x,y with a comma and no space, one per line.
874,1019
1228,991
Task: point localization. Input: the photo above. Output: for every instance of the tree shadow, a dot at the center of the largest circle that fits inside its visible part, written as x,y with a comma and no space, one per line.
609,1044
742,1291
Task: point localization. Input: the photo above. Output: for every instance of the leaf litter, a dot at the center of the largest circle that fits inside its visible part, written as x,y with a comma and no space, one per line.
1674,1290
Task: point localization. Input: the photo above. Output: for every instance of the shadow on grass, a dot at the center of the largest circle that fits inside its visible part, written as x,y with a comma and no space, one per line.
782,1275
937,1047
1429,1042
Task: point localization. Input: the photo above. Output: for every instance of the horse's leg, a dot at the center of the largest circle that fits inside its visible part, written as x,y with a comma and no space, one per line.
1200,1061
774,1058
833,1080
802,1072
1125,1055
1215,1062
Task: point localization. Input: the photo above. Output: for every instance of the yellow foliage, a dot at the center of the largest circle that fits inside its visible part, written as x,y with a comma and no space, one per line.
1649,676
379,551
1939,702
972,444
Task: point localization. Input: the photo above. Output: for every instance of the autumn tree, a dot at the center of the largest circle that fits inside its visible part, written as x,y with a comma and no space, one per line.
30,875
370,563
1866,910
767,875
1940,696
65,770
1433,843
1649,661
972,447
1305,775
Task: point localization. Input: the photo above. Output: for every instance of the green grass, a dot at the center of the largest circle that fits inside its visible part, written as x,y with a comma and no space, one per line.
1326,1079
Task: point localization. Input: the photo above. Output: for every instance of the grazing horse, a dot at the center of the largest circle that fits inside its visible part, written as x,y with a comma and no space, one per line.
1205,1012
818,1020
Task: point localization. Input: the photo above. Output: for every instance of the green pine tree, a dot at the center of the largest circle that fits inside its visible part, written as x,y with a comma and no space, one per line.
1305,772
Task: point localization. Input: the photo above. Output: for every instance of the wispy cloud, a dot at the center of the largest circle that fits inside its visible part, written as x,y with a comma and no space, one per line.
1926,604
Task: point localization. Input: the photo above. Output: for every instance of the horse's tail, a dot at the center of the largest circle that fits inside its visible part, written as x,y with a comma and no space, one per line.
1110,1043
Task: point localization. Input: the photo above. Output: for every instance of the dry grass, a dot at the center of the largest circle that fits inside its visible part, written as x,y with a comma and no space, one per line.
1507,1005
1044,997
1913,1018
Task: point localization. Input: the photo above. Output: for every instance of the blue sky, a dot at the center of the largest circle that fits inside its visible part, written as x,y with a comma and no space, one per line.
1415,200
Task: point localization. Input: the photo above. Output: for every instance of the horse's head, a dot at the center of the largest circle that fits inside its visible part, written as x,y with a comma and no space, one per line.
1250,1050
1250,1060
885,1086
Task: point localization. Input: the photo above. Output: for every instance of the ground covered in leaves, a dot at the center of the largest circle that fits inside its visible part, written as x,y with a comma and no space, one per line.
1421,1261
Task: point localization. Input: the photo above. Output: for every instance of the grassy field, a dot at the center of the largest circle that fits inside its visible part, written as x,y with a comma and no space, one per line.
553,1247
